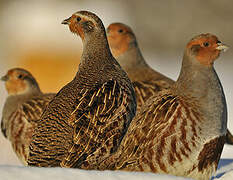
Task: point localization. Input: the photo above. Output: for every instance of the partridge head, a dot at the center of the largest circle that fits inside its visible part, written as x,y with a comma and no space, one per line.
83,23
121,38
20,81
205,48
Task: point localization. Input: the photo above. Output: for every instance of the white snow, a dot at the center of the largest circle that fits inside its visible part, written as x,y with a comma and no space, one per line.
33,173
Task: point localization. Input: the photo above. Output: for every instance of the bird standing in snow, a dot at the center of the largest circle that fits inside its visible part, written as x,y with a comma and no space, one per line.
22,110
180,131
88,118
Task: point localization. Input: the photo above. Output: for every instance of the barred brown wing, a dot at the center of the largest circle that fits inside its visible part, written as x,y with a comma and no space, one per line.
99,127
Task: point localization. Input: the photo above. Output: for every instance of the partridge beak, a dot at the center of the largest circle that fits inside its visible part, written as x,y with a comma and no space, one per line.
66,21
4,78
222,47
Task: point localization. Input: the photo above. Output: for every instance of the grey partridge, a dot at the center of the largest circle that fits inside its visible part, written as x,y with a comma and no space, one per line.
22,110
88,118
125,49
181,130
146,81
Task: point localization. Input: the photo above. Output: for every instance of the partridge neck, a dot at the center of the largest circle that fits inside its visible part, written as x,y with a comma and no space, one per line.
131,59
95,50
195,79
202,84
94,60
35,91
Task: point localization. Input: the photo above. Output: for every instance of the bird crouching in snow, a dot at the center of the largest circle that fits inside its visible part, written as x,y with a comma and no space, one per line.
125,49
146,81
22,109
180,131
88,118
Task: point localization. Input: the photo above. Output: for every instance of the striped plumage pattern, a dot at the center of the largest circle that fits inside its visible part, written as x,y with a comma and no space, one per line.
88,118
166,137
171,126
179,131
102,122
89,130
22,122
145,89
146,81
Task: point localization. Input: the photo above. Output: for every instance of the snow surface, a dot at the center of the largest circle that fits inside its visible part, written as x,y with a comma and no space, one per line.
33,173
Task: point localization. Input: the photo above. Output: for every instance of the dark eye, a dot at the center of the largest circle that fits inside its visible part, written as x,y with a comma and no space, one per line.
20,76
120,30
78,19
219,42
206,44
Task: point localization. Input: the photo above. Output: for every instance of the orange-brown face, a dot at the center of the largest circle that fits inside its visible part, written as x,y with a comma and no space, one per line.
119,37
14,82
206,48
79,24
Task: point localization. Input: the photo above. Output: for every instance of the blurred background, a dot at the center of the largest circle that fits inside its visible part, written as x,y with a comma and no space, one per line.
32,37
